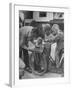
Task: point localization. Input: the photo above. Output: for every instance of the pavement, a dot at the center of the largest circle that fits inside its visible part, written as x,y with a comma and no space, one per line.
53,72
28,75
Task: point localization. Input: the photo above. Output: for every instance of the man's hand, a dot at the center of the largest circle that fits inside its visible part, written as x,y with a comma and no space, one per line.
25,47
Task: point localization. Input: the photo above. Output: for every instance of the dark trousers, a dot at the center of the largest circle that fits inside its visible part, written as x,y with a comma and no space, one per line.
23,53
58,56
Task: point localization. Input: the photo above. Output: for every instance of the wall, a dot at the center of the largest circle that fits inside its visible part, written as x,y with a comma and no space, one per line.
42,19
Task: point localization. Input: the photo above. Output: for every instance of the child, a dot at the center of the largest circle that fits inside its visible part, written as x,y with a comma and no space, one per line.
39,44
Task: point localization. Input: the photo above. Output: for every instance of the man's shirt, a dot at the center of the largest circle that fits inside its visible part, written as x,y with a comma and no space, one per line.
24,34
59,39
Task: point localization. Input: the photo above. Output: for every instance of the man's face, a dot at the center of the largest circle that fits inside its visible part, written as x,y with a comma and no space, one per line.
54,32
55,29
47,32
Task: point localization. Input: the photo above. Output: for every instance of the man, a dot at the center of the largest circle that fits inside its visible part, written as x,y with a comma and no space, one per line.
48,36
24,34
47,29
59,39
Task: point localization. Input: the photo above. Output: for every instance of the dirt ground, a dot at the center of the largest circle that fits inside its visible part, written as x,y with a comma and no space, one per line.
28,75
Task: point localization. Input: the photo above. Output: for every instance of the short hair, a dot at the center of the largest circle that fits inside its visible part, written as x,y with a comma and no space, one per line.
47,27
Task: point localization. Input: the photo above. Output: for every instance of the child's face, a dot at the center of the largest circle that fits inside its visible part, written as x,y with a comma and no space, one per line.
39,41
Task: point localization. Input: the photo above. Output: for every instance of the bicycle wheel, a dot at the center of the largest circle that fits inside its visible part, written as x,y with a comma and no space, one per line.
38,63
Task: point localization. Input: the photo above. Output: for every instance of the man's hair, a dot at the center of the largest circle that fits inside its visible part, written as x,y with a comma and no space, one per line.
55,27
47,27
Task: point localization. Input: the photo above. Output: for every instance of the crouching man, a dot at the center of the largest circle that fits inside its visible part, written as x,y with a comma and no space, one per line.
23,45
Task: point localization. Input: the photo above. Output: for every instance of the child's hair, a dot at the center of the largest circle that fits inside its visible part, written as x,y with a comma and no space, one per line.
39,42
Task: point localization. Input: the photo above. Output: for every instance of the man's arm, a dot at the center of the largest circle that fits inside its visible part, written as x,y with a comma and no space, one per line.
58,37
55,38
50,38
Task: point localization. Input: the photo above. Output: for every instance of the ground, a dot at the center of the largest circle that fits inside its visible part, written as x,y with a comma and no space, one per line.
51,73
28,75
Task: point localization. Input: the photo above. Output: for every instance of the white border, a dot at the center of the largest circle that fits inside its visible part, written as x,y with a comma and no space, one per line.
15,47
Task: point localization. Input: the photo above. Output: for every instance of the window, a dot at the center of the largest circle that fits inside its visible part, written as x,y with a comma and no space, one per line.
42,14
